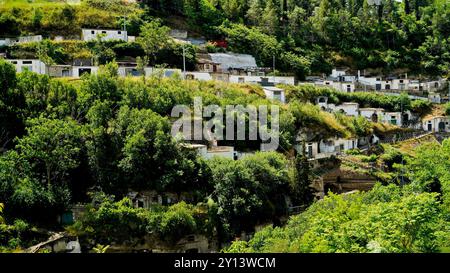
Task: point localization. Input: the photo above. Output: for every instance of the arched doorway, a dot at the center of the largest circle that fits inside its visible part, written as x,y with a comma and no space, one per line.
441,126
374,117
405,119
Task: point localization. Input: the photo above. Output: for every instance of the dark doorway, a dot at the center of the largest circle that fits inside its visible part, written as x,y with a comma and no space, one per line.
405,119
83,71
374,117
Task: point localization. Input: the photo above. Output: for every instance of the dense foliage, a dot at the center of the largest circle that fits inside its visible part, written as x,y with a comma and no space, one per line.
120,222
310,93
315,35
386,219
412,218
303,36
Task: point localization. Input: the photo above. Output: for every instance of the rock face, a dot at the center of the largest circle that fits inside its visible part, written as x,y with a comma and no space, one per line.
57,243
343,181
188,244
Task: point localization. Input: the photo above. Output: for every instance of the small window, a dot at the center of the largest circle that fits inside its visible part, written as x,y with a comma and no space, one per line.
27,62
14,62
104,32
92,31
119,32
401,81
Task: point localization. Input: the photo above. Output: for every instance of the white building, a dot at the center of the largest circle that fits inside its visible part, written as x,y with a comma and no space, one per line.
163,72
328,148
372,114
322,101
92,34
343,86
336,72
36,66
374,82
78,71
221,151
275,93
394,118
263,80
201,76
434,97
20,40
399,84
60,71
436,124
348,108
429,86
215,151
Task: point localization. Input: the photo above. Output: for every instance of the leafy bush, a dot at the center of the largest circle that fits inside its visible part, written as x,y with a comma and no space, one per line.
385,219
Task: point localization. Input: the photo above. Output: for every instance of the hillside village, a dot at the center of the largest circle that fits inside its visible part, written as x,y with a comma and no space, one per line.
343,132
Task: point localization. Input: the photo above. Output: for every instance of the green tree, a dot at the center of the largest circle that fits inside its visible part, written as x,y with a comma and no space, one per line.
153,37
303,191
12,104
52,147
254,12
385,219
270,18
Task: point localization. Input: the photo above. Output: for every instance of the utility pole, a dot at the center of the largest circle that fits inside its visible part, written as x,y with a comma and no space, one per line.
125,26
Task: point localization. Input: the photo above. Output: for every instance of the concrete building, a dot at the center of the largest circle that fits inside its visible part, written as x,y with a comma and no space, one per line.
31,65
60,71
221,151
263,80
201,76
436,124
348,108
328,147
146,199
78,71
275,93
434,98
206,64
372,114
394,118
105,34
337,72
20,40
233,60
343,86
215,151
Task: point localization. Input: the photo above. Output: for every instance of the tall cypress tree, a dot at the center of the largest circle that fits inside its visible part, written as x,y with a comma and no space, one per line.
303,177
